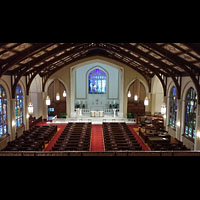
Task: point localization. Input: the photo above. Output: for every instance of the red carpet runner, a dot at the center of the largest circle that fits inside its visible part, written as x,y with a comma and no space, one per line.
61,128
97,141
140,141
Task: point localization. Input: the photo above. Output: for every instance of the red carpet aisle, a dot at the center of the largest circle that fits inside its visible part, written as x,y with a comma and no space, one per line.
43,123
140,141
61,128
97,141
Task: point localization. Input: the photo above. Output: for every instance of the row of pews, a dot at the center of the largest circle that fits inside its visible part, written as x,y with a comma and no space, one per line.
32,140
159,139
75,137
118,137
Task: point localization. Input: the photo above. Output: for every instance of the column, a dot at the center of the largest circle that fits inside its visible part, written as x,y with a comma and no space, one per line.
26,114
165,116
148,108
13,119
44,106
179,122
197,138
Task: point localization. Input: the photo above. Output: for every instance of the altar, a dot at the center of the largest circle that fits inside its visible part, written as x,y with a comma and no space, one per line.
96,113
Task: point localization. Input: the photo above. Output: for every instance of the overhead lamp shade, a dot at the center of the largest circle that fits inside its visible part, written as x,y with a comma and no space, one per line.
64,94
163,109
136,97
146,101
58,96
129,94
30,108
48,101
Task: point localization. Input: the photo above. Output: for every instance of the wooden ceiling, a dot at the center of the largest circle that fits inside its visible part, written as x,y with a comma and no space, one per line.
161,59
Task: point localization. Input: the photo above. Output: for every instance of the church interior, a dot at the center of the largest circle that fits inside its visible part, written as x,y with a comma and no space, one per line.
99,99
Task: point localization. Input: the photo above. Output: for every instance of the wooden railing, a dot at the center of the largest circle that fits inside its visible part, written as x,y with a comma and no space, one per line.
110,153
34,123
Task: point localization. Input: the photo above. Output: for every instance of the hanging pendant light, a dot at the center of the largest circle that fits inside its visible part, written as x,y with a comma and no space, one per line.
58,96
129,94
136,97
146,101
64,94
48,101
30,108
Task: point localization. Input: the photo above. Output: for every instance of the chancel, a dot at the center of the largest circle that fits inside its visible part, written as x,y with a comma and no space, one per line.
102,98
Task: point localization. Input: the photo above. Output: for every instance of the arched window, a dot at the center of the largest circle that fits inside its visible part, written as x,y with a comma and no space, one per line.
190,113
3,112
19,106
97,82
172,107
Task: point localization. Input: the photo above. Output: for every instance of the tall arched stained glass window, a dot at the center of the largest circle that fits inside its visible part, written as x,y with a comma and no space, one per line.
19,106
3,112
172,107
190,113
97,82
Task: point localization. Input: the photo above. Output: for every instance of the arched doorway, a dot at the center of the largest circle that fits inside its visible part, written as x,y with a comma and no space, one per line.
58,106
135,104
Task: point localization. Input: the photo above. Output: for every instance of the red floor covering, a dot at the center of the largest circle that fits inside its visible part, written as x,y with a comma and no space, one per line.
139,140
97,141
61,128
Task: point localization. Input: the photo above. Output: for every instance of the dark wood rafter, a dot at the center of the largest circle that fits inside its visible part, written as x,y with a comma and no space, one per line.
160,59
163,66
160,74
91,54
29,65
7,49
189,68
23,55
33,73
24,70
194,46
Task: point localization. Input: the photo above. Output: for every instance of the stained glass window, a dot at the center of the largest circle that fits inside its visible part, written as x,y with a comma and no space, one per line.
97,82
19,106
3,112
190,113
172,107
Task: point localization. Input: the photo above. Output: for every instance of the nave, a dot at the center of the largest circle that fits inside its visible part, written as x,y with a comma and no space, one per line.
88,137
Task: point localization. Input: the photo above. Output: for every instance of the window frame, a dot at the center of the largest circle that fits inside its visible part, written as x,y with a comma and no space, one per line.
192,116
4,111
18,102
173,108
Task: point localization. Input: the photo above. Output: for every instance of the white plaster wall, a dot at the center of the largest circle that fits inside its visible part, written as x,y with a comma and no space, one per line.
81,80
35,94
126,76
157,95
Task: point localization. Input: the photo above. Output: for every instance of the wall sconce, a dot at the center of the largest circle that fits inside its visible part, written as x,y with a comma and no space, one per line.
198,134
163,109
13,123
178,124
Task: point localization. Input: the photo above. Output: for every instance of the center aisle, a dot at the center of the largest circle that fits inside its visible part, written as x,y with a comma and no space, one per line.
97,141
